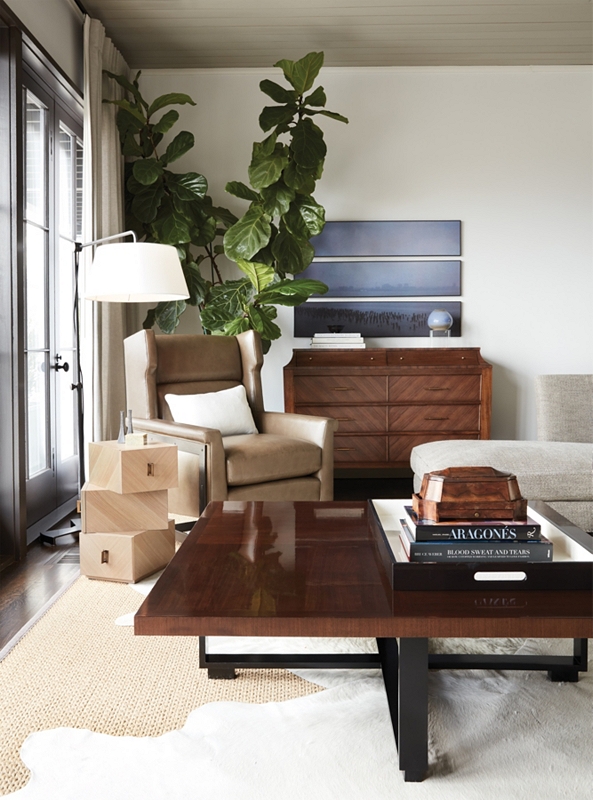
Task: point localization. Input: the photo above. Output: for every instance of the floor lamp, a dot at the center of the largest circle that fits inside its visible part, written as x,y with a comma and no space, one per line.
126,272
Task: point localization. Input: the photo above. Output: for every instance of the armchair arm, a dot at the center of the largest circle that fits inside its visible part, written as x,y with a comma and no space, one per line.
189,439
319,430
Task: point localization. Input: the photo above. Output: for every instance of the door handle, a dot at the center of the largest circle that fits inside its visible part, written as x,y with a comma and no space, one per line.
57,366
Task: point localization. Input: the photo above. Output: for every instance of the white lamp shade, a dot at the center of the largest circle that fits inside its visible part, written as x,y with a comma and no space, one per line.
136,272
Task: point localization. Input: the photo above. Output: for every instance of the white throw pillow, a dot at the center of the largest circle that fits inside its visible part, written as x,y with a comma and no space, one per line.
228,411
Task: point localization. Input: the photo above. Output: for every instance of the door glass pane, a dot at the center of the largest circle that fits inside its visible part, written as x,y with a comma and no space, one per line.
65,183
66,411
37,401
35,271
65,296
35,172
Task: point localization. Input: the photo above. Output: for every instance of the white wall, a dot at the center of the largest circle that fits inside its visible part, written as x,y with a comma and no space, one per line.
57,26
506,150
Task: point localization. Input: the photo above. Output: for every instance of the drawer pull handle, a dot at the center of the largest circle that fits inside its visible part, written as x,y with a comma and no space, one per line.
343,419
437,388
150,469
104,556
343,449
342,388
434,418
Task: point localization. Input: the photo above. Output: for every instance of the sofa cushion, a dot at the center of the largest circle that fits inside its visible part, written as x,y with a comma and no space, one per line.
544,470
265,457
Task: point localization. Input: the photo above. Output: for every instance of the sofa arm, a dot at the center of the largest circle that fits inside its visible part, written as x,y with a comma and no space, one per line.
188,438
318,430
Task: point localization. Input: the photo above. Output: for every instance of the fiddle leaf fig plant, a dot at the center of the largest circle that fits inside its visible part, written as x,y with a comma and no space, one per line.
165,206
270,242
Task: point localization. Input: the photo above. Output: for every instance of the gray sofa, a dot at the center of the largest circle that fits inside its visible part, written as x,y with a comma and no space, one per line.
557,468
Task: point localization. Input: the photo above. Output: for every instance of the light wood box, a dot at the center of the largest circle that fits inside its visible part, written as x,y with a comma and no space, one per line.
109,512
127,556
126,469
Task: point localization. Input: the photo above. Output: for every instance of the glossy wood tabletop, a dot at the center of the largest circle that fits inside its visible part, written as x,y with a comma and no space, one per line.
314,569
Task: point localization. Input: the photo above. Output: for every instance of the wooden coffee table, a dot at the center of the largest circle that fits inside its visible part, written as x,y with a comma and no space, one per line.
316,569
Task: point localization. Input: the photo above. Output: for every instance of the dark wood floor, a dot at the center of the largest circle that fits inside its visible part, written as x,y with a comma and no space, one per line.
26,587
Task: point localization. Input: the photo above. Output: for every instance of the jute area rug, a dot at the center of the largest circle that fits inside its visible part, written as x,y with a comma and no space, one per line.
124,717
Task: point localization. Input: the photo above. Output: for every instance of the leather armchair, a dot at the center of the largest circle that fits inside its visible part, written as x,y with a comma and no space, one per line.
291,458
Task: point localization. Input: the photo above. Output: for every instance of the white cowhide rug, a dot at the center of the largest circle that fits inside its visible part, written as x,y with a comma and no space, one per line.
493,736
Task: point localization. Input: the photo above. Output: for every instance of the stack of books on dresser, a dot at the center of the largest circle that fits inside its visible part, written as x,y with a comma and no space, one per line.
486,540
344,341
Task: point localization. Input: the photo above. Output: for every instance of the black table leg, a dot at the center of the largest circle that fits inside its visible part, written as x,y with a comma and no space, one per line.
413,708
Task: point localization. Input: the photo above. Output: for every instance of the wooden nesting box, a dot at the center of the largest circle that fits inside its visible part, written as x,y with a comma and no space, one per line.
126,556
109,512
469,493
126,469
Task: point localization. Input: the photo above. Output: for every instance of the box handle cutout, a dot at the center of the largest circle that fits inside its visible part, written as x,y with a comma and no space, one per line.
104,556
150,469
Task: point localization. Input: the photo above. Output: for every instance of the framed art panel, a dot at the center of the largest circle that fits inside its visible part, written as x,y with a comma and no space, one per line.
406,318
387,278
389,238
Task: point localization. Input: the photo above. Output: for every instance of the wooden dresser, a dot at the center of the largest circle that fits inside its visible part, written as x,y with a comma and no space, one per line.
387,401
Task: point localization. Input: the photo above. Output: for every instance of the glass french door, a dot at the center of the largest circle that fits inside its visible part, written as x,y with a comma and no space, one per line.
52,223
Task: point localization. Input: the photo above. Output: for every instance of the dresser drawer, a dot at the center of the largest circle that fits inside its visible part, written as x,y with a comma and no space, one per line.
357,419
360,448
400,446
330,389
341,358
433,388
434,418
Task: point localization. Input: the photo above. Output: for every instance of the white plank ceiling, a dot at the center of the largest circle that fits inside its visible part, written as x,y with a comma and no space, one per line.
256,33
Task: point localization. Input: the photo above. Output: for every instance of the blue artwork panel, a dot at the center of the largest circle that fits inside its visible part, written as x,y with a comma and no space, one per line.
389,238
387,278
406,318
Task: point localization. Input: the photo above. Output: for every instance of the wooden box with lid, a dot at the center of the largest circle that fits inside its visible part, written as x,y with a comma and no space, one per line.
387,401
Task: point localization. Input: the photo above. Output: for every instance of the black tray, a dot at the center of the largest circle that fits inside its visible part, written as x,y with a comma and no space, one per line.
568,575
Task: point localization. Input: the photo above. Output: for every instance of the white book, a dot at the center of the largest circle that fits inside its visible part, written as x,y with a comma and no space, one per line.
336,335
345,346
350,339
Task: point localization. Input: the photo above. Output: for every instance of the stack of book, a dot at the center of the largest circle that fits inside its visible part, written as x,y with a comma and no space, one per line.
486,540
345,341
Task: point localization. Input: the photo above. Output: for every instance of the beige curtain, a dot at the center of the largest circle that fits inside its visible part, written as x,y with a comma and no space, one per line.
104,325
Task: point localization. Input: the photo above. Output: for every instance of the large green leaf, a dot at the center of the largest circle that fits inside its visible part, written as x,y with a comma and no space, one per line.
171,99
197,286
331,114
129,87
278,93
166,122
305,217
223,215
146,203
260,275
183,142
302,180
189,186
265,170
277,198
129,108
291,292
276,115
261,318
147,170
307,144
316,98
205,234
225,303
239,189
293,254
247,236
165,315
127,123
237,326
130,146
301,74
173,228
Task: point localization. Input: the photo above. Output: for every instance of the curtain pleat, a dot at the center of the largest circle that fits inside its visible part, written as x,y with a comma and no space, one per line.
104,325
